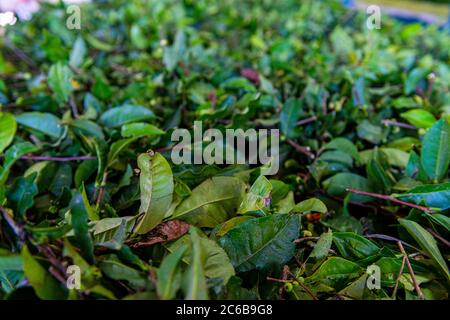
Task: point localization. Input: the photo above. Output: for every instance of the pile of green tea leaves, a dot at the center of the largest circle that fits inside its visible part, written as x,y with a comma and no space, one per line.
358,210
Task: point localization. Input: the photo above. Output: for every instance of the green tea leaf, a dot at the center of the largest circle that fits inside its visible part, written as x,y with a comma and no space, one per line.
272,247
353,246
419,118
124,114
289,117
213,201
310,205
8,127
322,246
258,196
435,156
432,195
80,226
45,123
45,286
60,80
427,243
140,129
156,183
194,282
169,275
335,272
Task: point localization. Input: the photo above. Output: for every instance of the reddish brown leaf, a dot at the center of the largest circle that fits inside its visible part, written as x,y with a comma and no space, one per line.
251,75
166,231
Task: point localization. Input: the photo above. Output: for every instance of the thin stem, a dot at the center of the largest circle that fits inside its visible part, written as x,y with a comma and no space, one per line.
101,193
394,293
308,290
398,124
73,106
59,159
304,150
439,237
389,198
411,272
306,239
278,280
306,121
21,55
57,275
389,238
17,230
284,276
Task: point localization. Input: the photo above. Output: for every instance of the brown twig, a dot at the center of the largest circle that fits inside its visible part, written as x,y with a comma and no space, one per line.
101,193
278,280
50,255
73,106
434,234
57,275
306,239
389,238
394,293
284,276
304,286
303,150
389,198
58,159
306,121
411,272
21,55
398,124
16,229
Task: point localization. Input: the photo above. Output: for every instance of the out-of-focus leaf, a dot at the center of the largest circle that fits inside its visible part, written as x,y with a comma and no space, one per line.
344,145
140,129
22,195
78,53
413,79
116,148
45,123
337,185
8,128
80,226
169,275
44,284
119,116
419,118
289,117
310,205
435,156
194,281
12,154
60,80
